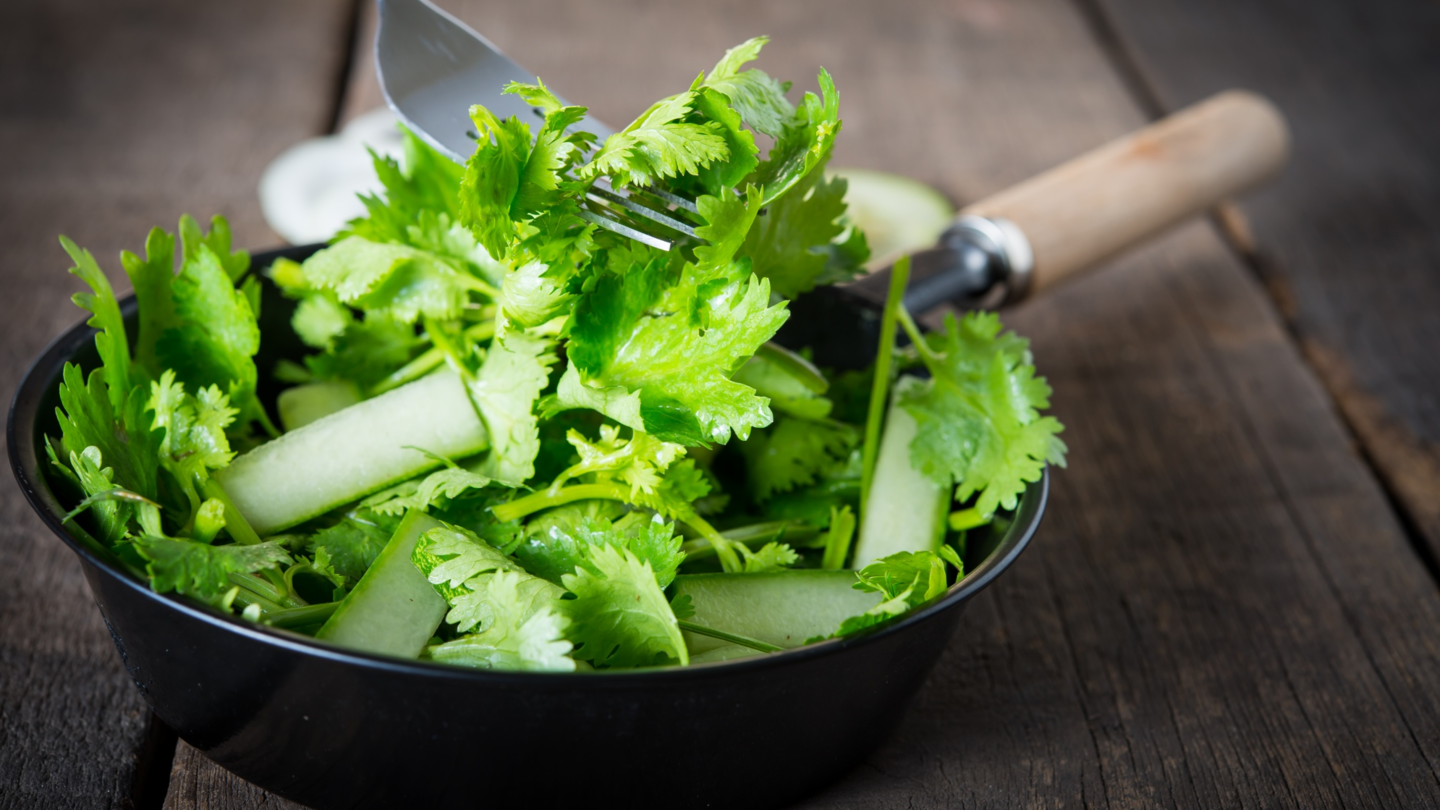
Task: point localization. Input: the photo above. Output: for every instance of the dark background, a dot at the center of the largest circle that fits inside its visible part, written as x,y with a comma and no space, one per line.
1233,600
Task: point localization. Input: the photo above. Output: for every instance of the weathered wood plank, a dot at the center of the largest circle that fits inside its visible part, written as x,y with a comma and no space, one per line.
1349,241
1221,609
196,783
117,116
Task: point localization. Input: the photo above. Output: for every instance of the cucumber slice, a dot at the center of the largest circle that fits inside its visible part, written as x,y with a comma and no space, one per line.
303,404
898,215
783,608
354,452
905,509
394,610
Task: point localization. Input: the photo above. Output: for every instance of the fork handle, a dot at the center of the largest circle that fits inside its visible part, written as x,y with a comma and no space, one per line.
1100,203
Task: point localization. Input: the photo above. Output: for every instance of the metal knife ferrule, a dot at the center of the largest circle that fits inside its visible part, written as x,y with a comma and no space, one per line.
975,256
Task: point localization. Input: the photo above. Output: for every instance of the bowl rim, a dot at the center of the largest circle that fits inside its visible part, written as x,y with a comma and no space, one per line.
26,464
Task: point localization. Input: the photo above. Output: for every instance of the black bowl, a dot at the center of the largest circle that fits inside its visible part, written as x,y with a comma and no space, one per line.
332,728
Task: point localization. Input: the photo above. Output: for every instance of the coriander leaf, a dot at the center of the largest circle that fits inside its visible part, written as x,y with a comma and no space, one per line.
217,240
124,439
639,461
353,544
151,278
771,557
619,616
194,426
391,280
429,182
759,99
714,107
112,516
557,548
202,571
918,573
320,318
515,371
794,452
676,345
658,145
728,218
214,336
451,556
427,490
366,352
522,628
111,343
492,179
906,579
805,144
978,418
529,298
791,244
553,152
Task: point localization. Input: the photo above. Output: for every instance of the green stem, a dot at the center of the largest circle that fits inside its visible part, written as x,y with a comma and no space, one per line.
235,523
427,361
729,560
743,641
264,589
301,616
927,355
245,598
558,496
969,519
880,388
800,535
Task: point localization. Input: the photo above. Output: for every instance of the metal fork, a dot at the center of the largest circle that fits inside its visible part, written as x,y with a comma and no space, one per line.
432,67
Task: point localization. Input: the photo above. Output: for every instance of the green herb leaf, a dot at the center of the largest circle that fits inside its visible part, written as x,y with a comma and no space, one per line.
619,616
979,423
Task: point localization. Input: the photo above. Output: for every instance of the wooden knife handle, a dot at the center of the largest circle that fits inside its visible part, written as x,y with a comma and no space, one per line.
1100,203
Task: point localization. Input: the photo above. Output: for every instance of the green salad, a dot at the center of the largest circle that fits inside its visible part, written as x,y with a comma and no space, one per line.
519,441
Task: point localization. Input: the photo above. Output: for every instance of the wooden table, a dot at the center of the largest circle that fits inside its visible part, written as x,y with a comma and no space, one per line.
1233,601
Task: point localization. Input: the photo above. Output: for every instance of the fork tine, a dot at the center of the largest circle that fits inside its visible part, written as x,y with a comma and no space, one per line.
625,230
642,210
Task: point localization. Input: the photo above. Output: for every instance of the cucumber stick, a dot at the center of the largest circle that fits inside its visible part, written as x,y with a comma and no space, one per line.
394,610
783,608
898,215
905,509
303,404
353,452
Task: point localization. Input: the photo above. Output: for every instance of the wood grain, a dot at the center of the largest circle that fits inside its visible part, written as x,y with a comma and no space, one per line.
1349,242
196,782
115,117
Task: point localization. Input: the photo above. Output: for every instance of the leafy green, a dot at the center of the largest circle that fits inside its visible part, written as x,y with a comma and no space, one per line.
352,544
759,99
675,344
194,426
203,571
659,144
523,630
515,371
979,422
906,579
791,244
619,616
512,617
805,144
561,546
794,452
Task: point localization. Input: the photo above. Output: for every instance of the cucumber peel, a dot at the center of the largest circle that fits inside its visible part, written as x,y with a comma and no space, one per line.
393,610
782,608
354,452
